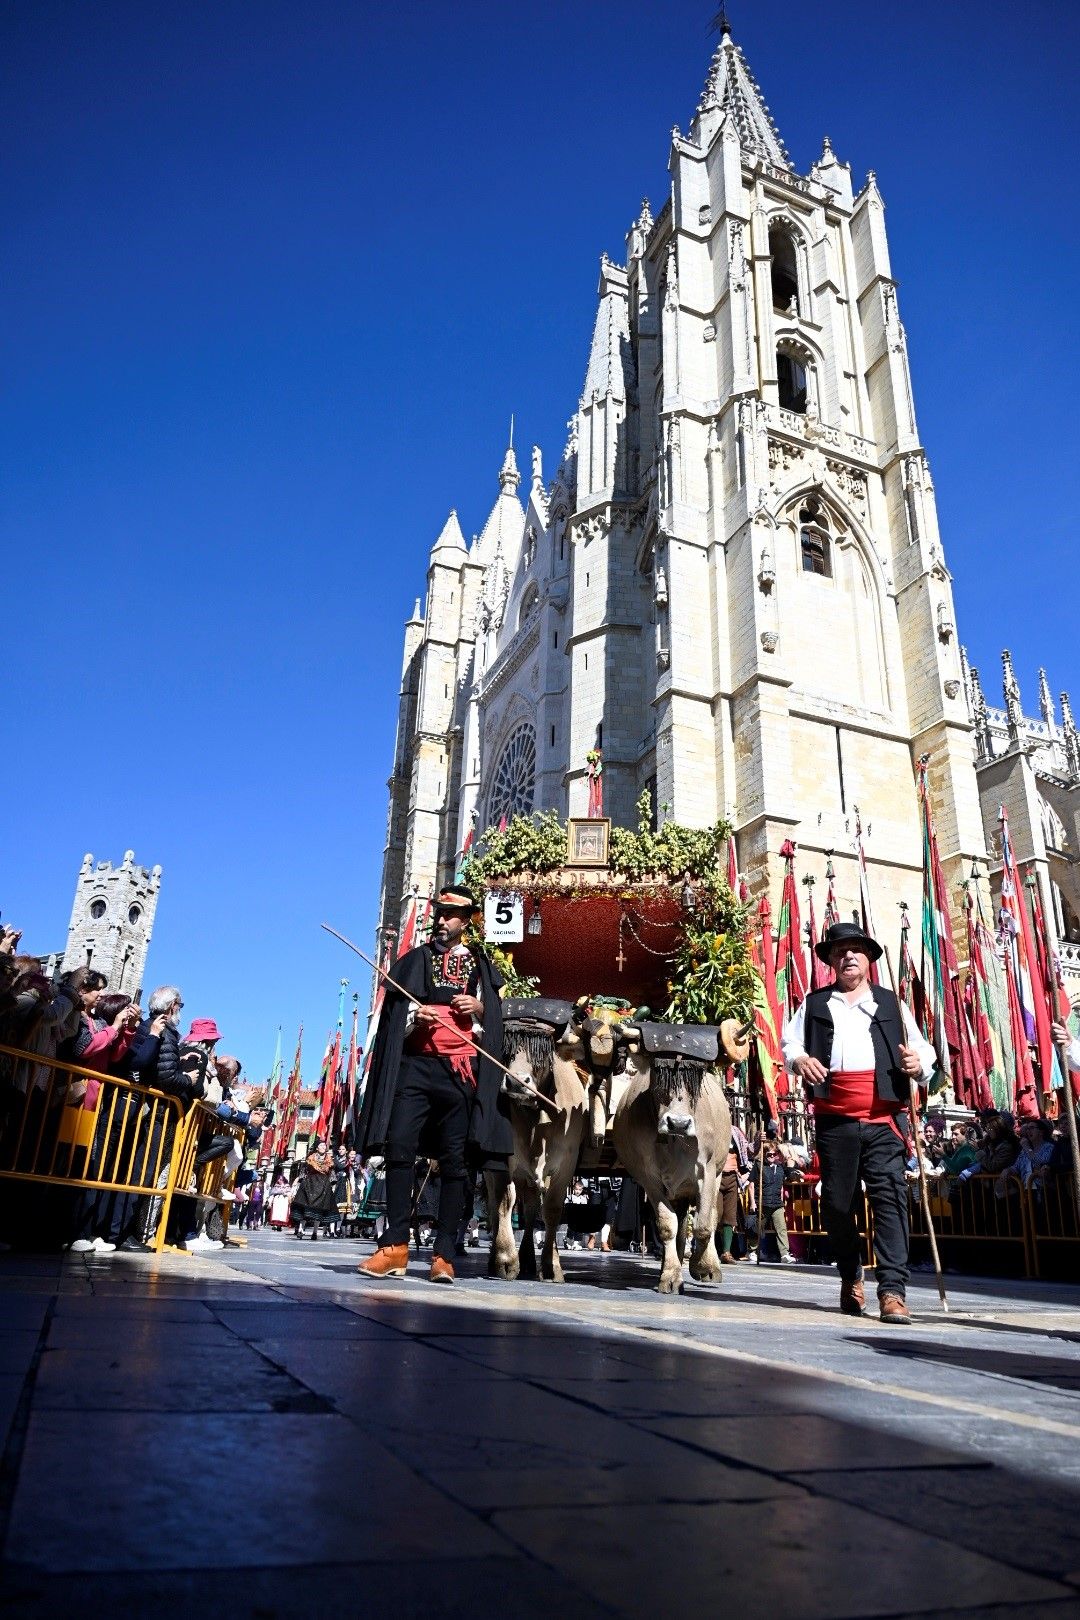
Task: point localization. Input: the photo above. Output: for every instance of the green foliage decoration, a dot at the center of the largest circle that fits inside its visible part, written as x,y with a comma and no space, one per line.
515,983
712,975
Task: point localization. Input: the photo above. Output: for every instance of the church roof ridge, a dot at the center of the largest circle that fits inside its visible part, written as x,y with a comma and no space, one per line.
732,89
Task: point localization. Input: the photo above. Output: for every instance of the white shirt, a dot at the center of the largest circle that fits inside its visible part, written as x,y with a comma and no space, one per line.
852,1044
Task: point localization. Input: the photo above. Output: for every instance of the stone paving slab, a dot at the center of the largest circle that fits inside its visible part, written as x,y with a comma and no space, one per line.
434,1588
155,1491
812,1560
592,1447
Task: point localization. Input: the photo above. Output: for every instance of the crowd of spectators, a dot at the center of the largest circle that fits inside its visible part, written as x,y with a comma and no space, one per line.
991,1144
54,1124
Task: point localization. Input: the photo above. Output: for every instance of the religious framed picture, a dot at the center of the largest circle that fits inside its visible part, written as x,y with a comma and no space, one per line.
587,841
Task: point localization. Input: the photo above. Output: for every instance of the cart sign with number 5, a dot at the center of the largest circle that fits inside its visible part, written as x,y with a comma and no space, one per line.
504,918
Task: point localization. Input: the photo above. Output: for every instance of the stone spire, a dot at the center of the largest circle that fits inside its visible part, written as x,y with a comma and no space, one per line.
1072,738
965,675
509,477
1046,704
501,534
732,89
451,538
983,747
1014,713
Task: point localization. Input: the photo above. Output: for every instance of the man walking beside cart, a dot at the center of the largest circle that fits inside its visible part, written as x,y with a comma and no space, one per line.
856,1049
429,1091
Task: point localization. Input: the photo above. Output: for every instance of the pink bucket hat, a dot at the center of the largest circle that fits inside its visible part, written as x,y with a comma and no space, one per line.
203,1029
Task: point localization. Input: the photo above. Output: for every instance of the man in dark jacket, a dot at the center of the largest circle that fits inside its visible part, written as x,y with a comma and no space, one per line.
856,1049
428,1092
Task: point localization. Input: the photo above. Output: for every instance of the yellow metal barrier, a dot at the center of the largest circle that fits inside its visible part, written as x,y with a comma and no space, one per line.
210,1179
55,1132
968,1214
1053,1233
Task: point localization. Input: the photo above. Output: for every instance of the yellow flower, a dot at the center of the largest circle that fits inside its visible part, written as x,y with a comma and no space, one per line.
731,971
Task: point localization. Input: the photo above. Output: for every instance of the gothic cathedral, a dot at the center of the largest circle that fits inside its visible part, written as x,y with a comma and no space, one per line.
734,585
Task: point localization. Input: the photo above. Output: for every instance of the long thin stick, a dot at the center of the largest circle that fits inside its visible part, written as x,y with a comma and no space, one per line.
923,1185
1070,1114
545,1102
924,1188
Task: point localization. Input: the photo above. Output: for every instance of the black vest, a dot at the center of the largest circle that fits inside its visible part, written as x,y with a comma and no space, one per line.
886,1033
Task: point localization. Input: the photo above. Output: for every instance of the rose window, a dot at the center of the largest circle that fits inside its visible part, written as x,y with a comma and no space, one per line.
514,783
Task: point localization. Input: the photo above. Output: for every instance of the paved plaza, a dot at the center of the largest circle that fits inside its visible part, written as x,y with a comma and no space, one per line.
260,1434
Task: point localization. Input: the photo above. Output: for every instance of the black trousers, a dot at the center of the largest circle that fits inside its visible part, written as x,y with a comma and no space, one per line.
431,1105
851,1150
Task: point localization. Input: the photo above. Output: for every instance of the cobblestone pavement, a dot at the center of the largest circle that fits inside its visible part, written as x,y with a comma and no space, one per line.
263,1432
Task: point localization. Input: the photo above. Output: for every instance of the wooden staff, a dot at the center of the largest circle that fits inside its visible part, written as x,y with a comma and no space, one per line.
924,1187
519,1080
761,1182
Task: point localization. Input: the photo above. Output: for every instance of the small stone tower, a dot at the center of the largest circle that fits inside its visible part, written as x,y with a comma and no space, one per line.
112,919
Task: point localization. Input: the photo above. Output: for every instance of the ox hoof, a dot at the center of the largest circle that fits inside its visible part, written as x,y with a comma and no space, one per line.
706,1273
505,1270
670,1283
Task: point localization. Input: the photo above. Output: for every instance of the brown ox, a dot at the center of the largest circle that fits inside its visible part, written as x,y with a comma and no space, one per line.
672,1131
540,1044
601,1051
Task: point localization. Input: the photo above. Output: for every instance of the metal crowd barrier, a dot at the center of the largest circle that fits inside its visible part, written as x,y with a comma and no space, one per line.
67,1127
1031,1232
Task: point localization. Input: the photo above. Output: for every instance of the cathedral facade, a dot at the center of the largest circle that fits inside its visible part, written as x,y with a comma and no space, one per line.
734,586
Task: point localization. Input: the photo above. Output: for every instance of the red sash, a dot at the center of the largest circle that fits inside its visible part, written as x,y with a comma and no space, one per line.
446,1038
853,1095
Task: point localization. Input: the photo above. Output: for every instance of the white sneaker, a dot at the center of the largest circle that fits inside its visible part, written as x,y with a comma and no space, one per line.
102,1246
788,1260
202,1244
81,1246
226,1196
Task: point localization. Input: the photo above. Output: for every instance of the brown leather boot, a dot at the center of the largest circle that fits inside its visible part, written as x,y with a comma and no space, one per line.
388,1262
441,1270
893,1309
853,1297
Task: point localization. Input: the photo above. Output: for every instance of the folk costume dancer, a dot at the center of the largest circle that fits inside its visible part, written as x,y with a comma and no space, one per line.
856,1048
428,1091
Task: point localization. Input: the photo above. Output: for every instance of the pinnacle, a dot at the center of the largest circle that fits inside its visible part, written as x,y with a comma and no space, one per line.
731,88
509,477
451,537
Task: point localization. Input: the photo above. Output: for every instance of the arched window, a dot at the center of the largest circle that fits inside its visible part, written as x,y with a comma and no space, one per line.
790,382
513,784
785,270
815,547
529,603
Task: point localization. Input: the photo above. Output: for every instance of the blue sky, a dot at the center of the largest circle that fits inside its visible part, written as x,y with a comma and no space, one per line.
275,278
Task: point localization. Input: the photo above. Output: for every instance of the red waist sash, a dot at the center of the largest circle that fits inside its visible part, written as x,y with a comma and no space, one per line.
853,1095
446,1038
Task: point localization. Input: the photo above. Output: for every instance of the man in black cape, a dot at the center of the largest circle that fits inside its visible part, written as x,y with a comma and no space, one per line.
428,1091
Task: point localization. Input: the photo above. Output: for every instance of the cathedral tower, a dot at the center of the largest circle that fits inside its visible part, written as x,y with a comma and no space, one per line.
734,584
112,918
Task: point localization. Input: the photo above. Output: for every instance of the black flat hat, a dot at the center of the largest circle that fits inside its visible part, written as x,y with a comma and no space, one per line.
846,934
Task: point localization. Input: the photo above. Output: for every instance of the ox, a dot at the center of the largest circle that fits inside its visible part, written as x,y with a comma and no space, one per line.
672,1130
540,1043
603,1055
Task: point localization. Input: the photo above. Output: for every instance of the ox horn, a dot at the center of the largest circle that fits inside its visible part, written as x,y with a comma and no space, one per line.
735,1039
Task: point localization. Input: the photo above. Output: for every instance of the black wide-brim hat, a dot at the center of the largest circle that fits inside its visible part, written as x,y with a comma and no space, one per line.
846,934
